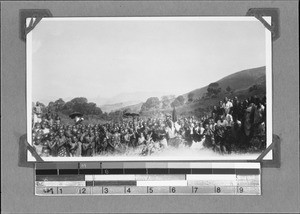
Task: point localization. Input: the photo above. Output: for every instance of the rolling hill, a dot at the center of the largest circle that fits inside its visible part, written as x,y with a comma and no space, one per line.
112,107
132,108
126,98
239,82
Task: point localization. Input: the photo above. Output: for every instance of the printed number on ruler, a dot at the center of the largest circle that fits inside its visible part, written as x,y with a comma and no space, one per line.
81,190
195,189
105,190
158,190
240,189
218,189
59,190
127,190
150,190
172,189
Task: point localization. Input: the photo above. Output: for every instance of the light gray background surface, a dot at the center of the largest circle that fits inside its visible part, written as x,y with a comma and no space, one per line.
280,187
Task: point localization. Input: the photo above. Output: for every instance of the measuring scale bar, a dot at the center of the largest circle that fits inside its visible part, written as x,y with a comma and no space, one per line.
154,179
148,190
154,184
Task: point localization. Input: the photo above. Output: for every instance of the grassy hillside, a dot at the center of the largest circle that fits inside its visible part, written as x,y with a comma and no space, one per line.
239,82
204,106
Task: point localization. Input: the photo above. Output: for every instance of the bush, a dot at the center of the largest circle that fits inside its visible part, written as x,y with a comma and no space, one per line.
253,88
152,102
191,96
213,89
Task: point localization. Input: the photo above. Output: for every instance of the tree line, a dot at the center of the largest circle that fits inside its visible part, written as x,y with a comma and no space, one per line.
78,104
81,104
152,103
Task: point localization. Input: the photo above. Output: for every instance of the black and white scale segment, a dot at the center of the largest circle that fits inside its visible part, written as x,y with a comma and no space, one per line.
147,178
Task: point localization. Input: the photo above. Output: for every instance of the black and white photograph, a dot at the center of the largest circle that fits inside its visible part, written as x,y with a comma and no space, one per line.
149,88
149,106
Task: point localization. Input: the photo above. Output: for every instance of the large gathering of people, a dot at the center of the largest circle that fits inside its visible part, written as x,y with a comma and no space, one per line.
232,126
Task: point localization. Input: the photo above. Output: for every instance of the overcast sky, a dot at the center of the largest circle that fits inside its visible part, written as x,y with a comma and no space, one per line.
106,57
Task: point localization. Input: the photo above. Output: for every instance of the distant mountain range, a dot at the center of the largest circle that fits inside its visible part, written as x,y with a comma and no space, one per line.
112,107
124,99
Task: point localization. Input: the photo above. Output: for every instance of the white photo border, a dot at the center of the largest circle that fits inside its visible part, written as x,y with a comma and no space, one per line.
269,90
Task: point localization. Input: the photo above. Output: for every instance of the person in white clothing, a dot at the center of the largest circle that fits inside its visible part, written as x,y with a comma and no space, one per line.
227,105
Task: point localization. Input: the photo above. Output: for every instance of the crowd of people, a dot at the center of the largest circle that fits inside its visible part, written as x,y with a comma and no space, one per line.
232,126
